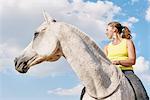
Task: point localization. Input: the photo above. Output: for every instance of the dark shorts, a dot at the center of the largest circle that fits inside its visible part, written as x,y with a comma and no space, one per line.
139,90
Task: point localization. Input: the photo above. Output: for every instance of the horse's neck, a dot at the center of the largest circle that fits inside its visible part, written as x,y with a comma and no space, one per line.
87,60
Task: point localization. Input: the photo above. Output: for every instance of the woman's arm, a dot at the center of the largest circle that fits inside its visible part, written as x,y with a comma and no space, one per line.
131,55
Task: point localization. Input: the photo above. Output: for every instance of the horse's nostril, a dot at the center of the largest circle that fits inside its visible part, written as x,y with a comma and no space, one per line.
15,61
25,69
25,63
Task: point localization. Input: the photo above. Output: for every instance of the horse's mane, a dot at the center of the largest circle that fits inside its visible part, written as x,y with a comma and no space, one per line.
90,43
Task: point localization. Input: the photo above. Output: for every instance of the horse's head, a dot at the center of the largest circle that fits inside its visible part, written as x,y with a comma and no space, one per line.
44,46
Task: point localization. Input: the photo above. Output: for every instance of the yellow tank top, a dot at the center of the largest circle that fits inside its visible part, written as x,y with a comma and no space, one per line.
119,52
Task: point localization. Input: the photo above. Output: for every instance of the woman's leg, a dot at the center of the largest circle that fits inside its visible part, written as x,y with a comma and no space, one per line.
137,85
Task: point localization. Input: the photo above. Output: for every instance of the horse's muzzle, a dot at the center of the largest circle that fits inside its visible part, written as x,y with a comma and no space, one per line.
21,65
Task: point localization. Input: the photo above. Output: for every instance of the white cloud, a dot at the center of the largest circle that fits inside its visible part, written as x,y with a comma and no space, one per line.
93,16
142,65
27,5
8,50
147,17
133,35
7,53
130,21
146,77
134,1
67,92
142,68
133,20
89,16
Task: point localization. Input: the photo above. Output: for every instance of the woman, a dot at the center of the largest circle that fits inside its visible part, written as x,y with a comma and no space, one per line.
121,52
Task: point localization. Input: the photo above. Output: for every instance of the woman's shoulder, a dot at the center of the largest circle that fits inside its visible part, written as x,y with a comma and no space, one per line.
129,42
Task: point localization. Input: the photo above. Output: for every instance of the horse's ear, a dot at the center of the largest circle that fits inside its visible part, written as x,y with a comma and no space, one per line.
46,16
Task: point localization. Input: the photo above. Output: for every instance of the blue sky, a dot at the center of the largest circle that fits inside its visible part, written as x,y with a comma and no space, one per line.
57,81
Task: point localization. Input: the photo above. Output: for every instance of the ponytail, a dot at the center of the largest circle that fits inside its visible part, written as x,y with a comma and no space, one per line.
126,33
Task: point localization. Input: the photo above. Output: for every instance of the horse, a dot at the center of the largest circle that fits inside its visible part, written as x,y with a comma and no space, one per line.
102,80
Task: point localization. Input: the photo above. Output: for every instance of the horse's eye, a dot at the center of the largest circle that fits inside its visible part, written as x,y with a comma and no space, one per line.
53,20
36,34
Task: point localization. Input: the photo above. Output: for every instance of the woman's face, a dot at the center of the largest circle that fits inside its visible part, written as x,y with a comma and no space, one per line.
109,31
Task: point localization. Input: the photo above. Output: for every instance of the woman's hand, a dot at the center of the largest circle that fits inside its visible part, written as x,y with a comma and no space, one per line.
117,62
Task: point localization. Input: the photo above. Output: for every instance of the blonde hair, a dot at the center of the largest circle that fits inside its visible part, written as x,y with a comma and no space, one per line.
123,30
